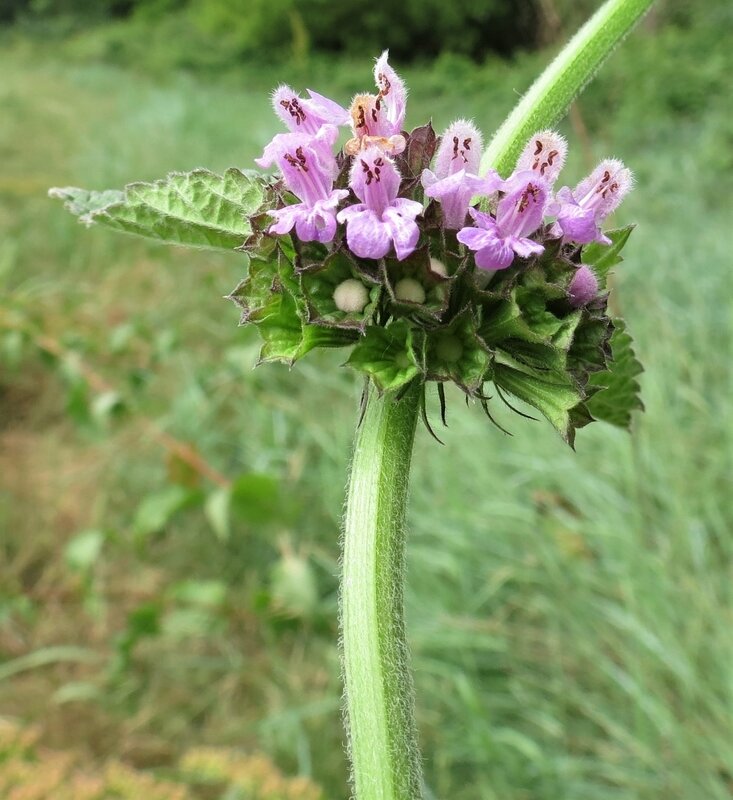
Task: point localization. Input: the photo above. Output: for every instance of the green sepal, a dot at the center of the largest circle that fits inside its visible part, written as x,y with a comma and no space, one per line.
197,209
390,356
603,257
437,288
590,350
521,315
281,331
554,394
319,285
619,390
256,295
455,352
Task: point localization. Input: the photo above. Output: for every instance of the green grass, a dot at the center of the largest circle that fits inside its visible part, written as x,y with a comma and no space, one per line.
570,613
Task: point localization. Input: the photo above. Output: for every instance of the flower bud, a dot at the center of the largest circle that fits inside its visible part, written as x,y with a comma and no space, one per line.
409,289
583,287
351,296
438,267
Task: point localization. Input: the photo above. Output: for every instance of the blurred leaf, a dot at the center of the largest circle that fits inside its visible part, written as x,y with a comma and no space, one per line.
293,587
619,396
84,549
157,509
142,622
198,208
216,510
107,405
256,498
207,594
44,657
75,692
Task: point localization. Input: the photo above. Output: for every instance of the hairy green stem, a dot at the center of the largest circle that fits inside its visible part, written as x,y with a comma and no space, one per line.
551,94
379,702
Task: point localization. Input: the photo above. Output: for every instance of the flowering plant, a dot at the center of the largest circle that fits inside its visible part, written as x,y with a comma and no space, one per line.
434,261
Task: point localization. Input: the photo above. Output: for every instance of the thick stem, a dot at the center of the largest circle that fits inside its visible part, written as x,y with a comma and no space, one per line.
378,684
551,94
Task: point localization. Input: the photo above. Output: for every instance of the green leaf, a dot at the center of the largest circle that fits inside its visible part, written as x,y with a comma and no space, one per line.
84,549
281,331
256,294
205,594
157,509
602,257
257,499
197,209
553,394
387,355
619,395
82,202
216,510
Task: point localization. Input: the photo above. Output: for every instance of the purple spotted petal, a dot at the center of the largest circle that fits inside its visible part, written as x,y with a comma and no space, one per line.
392,97
460,149
307,115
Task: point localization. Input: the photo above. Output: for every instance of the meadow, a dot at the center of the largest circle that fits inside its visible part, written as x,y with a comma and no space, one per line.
169,518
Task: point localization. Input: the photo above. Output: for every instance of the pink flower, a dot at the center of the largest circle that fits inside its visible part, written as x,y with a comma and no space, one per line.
378,119
381,219
309,169
518,214
307,116
455,180
581,211
544,154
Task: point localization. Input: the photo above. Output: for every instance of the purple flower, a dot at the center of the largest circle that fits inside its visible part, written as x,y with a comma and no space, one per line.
544,154
307,116
583,287
378,119
308,168
518,214
581,211
381,218
455,180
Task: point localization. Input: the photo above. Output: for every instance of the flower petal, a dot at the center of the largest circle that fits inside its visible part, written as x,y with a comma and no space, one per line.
392,93
476,238
366,234
496,255
525,247
578,224
404,232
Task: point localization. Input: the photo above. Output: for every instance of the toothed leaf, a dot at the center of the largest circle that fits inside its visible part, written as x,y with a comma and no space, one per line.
197,209
619,395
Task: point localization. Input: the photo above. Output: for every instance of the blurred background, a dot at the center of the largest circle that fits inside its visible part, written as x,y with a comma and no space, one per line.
169,518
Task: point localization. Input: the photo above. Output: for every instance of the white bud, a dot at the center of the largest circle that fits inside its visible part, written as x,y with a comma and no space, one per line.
351,296
438,267
409,289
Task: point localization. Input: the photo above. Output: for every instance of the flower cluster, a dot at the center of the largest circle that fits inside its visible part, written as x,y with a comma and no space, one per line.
432,268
